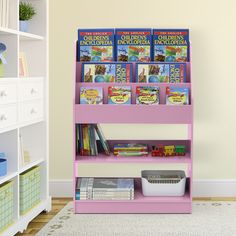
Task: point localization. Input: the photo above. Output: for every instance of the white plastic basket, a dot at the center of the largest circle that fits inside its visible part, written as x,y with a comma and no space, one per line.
162,183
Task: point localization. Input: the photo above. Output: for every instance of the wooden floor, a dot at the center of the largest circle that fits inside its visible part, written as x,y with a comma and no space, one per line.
59,203
44,218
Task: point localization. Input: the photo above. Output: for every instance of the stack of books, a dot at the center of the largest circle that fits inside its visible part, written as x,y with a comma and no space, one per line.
87,140
130,149
4,13
104,189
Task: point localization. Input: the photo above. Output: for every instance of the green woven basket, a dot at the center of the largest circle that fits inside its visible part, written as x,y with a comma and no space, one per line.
29,189
6,205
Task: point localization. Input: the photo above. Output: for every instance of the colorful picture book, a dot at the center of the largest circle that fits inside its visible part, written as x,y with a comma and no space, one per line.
177,96
147,95
107,72
133,45
130,149
119,95
87,142
95,45
171,45
105,189
161,72
91,95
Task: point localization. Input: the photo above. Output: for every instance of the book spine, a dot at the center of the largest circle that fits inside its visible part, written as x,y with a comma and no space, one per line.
102,139
93,140
91,143
83,188
85,140
90,189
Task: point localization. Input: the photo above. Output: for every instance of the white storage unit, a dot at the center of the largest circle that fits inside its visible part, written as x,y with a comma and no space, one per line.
24,108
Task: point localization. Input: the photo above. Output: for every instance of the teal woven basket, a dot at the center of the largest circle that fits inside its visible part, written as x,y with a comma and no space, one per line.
6,205
29,189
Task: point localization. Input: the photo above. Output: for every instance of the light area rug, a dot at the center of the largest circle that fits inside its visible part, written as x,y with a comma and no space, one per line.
207,219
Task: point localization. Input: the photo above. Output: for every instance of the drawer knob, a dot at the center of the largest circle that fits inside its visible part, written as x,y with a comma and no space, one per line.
33,91
3,94
3,117
33,111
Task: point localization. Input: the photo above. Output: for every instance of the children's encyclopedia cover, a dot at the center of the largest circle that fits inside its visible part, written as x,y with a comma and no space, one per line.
107,72
133,45
147,95
119,95
177,96
95,45
161,72
171,45
91,95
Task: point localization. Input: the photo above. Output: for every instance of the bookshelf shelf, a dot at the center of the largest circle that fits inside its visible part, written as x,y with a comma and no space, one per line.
31,164
7,31
135,159
9,176
140,204
134,114
28,36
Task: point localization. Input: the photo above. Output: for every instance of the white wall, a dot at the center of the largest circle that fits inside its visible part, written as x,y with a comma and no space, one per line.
213,36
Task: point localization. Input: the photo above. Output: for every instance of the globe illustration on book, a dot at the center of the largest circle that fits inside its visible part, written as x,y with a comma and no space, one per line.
170,59
99,79
133,58
96,58
153,79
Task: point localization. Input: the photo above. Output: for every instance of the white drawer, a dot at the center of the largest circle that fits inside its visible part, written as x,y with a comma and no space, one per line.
30,111
8,93
30,90
8,115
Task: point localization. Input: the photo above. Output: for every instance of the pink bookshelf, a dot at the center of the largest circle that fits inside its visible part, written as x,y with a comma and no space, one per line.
158,114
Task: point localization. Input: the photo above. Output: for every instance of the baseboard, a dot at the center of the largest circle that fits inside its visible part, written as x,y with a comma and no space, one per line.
201,188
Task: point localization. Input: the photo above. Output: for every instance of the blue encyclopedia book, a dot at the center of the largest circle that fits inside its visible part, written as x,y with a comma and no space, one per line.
95,45
133,45
171,45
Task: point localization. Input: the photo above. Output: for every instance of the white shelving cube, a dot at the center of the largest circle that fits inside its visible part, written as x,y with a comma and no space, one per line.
24,106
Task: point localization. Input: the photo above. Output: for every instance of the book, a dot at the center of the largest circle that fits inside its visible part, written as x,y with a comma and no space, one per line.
95,45
171,45
132,146
105,189
93,141
86,144
119,95
130,149
177,96
87,140
102,139
161,72
147,95
107,72
133,45
91,95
